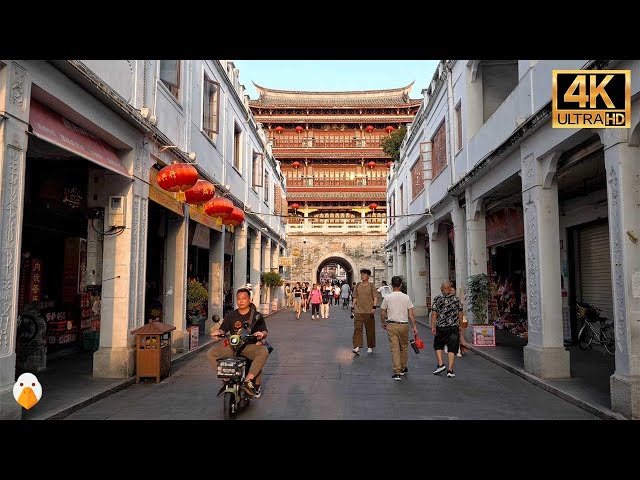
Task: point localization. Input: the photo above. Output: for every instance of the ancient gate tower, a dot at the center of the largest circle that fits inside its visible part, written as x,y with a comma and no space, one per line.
328,145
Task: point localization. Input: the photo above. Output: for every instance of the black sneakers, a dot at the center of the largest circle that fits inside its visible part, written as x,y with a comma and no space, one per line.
450,374
404,371
397,377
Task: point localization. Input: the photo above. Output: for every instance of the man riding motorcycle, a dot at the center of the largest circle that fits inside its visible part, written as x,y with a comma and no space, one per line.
233,323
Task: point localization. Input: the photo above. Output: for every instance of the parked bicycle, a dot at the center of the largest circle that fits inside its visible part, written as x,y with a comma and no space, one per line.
595,329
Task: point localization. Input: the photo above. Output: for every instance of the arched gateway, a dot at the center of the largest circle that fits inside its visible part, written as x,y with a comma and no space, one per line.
345,262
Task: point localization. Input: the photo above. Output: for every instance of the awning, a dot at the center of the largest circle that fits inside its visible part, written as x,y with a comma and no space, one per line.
54,128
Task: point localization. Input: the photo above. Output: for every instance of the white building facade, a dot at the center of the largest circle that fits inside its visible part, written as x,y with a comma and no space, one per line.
485,185
74,135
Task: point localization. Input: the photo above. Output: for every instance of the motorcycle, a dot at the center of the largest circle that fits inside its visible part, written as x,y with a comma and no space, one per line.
232,371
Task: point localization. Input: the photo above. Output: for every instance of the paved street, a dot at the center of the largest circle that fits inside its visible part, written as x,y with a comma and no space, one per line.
312,374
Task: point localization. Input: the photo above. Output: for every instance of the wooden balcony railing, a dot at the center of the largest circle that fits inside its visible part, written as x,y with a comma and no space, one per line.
334,182
287,141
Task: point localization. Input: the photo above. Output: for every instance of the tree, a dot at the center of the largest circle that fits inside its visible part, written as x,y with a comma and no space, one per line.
391,144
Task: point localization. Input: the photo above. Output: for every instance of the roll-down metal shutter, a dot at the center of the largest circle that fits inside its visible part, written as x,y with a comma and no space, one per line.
595,268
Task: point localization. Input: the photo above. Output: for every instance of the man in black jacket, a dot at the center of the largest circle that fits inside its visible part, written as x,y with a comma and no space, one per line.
256,352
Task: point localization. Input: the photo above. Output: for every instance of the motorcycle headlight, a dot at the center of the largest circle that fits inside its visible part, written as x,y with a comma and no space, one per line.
234,340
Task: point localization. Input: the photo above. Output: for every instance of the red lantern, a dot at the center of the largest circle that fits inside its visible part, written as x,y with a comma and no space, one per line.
295,206
296,164
177,177
389,164
299,129
371,164
389,128
235,218
369,128
373,206
200,193
218,207
279,129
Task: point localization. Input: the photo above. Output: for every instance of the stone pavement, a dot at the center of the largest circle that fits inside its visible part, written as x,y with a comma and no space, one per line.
313,374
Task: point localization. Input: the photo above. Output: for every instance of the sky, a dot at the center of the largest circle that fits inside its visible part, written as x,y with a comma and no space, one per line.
335,75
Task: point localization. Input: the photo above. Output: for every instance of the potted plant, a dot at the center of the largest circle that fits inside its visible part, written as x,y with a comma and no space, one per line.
197,298
270,279
478,297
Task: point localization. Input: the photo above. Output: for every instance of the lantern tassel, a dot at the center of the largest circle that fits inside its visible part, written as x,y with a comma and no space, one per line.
180,196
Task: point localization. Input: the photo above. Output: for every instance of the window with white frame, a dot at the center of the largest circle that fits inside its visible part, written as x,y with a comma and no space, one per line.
401,194
392,208
417,179
257,169
170,76
210,107
237,147
439,150
458,116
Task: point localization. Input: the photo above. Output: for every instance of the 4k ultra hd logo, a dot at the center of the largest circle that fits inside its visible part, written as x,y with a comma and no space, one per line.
591,98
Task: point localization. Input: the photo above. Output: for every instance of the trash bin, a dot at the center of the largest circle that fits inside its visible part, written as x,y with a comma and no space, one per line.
153,350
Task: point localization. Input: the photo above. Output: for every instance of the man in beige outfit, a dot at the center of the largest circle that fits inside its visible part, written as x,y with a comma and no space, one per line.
396,311
364,300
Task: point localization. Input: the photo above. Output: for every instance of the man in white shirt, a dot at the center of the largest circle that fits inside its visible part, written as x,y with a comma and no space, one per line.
384,290
397,310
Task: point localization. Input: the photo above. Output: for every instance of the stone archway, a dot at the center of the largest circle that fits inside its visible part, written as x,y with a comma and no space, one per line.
347,263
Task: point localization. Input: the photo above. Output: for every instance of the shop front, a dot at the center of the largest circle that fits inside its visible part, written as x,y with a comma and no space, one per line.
67,173
506,269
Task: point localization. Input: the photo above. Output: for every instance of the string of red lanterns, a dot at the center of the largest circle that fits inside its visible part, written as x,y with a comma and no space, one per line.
177,178
200,193
295,206
235,218
370,128
219,207
389,128
299,129
373,206
371,164
296,164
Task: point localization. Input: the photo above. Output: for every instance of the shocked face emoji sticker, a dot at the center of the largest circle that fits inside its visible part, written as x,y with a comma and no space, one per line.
27,391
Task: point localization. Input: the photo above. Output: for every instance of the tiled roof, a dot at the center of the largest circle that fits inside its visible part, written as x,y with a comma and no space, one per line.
302,153
333,118
365,98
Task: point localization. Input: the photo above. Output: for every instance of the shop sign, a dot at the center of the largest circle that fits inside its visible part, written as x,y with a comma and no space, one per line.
286,261
56,129
197,214
484,335
295,252
36,280
504,225
201,236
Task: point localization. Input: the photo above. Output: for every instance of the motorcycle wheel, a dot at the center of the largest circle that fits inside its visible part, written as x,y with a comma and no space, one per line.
229,405
585,337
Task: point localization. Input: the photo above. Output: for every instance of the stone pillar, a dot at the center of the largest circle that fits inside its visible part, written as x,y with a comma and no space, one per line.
240,259
175,280
544,355
438,257
460,249
476,239
278,294
396,260
216,277
266,267
15,92
418,276
124,272
622,163
256,251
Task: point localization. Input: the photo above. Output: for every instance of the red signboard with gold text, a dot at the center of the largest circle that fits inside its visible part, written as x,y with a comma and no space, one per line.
504,225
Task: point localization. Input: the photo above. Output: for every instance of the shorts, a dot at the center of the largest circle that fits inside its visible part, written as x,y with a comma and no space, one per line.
297,299
449,336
